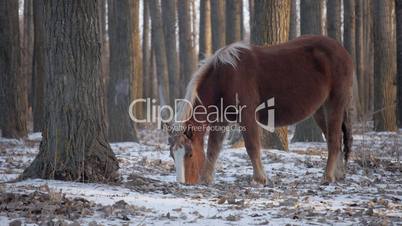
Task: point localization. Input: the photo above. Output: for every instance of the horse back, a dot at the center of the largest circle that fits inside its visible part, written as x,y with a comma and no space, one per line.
301,75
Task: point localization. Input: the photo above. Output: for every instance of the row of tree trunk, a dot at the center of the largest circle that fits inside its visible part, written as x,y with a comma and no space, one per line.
68,93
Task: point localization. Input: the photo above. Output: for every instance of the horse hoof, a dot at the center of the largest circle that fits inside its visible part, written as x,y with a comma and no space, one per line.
260,179
328,179
339,175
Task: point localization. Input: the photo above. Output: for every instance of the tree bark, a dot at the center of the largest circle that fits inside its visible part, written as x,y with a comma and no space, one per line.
137,61
205,42
384,66
38,74
158,44
251,12
368,31
218,24
294,23
310,23
74,145
187,52
27,48
359,63
349,42
271,26
233,21
13,85
169,28
146,52
120,127
399,59
104,42
334,19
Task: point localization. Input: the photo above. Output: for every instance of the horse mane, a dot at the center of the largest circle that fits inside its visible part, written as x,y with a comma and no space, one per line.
228,55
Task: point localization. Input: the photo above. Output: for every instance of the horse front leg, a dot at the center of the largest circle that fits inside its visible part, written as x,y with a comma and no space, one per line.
215,141
251,136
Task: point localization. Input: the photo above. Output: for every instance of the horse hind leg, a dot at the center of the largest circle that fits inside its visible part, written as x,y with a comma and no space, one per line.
335,169
215,141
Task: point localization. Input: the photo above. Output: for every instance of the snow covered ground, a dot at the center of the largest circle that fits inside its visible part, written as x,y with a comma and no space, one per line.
371,193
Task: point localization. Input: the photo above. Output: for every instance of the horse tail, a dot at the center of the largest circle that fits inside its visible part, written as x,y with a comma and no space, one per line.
347,135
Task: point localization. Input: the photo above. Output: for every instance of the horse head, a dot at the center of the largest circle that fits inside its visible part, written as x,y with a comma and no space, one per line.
188,154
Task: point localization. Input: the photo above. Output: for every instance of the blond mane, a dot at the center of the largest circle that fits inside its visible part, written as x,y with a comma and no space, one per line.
229,55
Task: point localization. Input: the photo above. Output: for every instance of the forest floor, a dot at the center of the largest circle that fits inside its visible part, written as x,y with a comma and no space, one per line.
149,195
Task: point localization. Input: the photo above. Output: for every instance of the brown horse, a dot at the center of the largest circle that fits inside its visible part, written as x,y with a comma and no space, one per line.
309,76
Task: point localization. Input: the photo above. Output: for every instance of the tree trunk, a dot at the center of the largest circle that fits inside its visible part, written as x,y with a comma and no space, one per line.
310,23
349,42
251,12
311,17
169,28
334,22
104,42
38,74
187,52
104,61
137,62
27,48
233,21
146,50
271,26
205,42
120,127
399,59
13,85
74,145
349,34
359,63
294,23
218,24
158,44
384,66
368,31
193,14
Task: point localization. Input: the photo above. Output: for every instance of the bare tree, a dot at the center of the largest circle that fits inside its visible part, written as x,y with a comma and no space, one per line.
74,145
368,47
399,59
27,47
294,23
310,23
218,24
137,61
13,85
271,26
334,19
205,42
38,73
187,51
349,42
169,28
384,66
146,51
158,44
233,20
359,51
120,127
